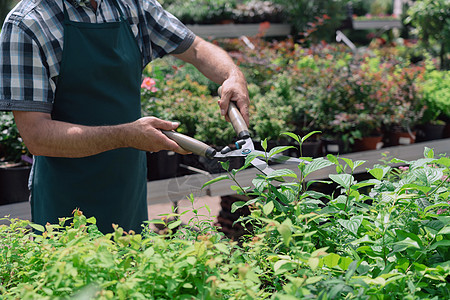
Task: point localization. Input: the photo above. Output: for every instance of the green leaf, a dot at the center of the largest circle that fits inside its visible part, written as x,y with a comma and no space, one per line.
331,260
344,263
260,184
316,164
349,162
428,153
283,266
285,230
225,165
282,173
236,205
92,220
405,244
264,144
308,135
174,224
350,269
278,149
443,243
37,227
353,224
344,180
445,161
379,173
411,186
268,208
313,262
445,230
292,135
217,179
333,159
222,248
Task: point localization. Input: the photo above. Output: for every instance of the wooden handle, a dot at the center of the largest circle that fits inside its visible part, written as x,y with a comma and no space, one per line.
236,119
191,144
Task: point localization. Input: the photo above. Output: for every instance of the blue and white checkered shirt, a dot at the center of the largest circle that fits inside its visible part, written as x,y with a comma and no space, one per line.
31,44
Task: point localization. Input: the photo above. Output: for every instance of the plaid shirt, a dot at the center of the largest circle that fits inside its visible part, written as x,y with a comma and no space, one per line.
31,44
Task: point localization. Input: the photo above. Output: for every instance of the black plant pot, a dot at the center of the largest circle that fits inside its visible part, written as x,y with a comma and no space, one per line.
429,132
333,146
162,165
14,184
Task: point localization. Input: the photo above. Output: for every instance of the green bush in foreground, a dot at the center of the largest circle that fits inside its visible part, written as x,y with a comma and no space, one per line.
384,238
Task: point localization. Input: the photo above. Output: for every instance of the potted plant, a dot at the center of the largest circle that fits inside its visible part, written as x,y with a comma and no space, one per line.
436,100
406,111
15,162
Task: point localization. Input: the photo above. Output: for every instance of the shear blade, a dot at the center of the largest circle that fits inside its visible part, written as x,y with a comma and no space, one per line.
262,166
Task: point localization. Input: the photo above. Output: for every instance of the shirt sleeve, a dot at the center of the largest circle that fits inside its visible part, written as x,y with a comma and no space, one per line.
162,33
24,80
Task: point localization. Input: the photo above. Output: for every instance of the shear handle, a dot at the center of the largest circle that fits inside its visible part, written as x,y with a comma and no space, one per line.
191,144
236,119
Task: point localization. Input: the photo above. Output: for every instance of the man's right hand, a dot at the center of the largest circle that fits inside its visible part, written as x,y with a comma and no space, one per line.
147,135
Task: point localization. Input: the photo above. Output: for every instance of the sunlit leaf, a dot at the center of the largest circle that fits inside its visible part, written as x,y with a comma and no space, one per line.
217,179
353,224
344,180
292,135
308,135
268,208
315,165
282,173
428,152
331,260
279,149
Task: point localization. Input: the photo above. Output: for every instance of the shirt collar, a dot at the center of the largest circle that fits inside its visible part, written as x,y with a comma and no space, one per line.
77,3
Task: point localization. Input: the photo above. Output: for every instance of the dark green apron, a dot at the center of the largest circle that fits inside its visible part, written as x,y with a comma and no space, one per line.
98,84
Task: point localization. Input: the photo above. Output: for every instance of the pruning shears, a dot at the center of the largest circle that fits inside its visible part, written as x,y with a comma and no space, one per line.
243,147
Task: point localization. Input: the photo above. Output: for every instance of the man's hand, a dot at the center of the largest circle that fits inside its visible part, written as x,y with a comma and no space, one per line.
235,90
146,135
47,137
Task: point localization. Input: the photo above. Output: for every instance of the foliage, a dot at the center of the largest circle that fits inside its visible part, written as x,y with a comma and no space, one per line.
323,87
302,13
387,237
5,7
431,18
12,146
200,11
436,95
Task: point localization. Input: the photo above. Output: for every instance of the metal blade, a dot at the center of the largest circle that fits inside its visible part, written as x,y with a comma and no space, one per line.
282,159
262,166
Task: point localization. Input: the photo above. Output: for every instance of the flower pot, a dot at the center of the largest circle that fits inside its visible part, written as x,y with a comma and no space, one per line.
446,131
368,143
311,148
333,146
162,165
398,138
14,184
429,132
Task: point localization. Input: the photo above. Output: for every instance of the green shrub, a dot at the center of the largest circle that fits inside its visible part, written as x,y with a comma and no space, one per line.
436,95
383,238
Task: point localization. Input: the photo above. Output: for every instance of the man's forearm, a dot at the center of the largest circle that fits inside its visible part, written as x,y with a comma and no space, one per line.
212,61
217,65
46,137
